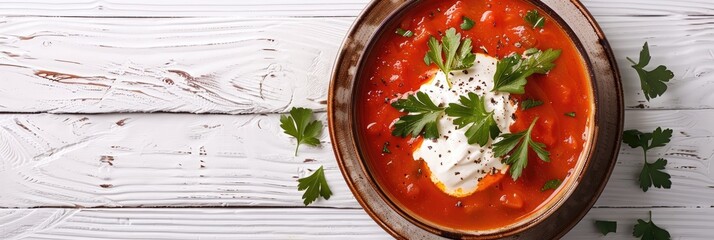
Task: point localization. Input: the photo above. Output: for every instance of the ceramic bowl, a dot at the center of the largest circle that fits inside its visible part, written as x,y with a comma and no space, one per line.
553,219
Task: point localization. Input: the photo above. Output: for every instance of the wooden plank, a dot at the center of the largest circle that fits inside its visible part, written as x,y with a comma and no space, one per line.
679,42
205,65
289,8
157,160
183,8
277,223
176,224
135,160
238,65
682,223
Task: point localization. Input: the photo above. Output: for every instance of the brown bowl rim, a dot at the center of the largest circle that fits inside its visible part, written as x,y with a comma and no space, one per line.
532,227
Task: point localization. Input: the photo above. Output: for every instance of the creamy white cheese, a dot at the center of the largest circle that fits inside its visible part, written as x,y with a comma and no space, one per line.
456,166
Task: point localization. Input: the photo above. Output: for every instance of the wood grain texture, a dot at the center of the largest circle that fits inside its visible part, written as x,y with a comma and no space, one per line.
278,223
135,160
177,224
240,65
250,57
288,8
156,160
183,8
206,65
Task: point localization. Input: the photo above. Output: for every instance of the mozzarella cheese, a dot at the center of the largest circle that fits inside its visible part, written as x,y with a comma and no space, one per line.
456,166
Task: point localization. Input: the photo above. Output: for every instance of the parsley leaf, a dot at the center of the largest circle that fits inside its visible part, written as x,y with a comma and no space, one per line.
422,117
299,126
606,227
315,186
471,111
650,231
467,24
551,185
385,148
570,114
512,71
652,174
518,158
404,33
458,55
530,103
535,19
653,82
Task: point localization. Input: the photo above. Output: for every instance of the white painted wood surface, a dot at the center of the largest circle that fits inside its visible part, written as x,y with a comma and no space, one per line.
282,223
257,59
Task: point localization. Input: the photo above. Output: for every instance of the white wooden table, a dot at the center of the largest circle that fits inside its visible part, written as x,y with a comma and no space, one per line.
83,157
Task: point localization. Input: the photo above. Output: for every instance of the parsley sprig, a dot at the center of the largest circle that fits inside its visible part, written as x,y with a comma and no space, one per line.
650,231
653,82
404,33
299,126
467,24
530,103
471,111
606,227
512,71
518,158
551,185
421,118
652,173
535,19
315,186
451,54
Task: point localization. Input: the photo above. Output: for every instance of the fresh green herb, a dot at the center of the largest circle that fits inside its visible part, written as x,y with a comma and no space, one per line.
472,111
606,227
530,103
653,82
512,71
458,55
652,173
299,126
468,24
570,114
315,186
422,117
551,185
404,33
535,19
518,158
385,148
650,231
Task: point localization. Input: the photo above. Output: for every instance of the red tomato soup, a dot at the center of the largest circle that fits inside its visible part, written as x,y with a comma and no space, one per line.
396,68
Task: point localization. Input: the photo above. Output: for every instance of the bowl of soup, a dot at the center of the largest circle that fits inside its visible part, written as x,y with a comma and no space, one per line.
476,118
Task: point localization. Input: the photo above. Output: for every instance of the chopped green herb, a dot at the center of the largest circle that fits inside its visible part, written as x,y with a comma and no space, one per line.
451,54
518,158
299,126
315,186
652,174
551,185
530,103
422,117
650,231
385,148
404,33
570,114
512,71
535,19
653,82
472,112
606,227
468,24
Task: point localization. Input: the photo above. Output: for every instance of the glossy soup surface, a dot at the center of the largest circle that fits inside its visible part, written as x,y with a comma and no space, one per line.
396,67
